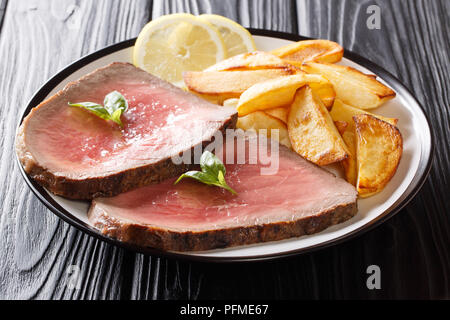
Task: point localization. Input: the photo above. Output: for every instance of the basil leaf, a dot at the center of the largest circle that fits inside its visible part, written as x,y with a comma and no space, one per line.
95,108
114,105
116,117
221,178
213,172
199,176
115,101
224,184
211,164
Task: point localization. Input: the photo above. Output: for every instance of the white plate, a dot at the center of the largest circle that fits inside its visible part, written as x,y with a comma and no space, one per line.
412,171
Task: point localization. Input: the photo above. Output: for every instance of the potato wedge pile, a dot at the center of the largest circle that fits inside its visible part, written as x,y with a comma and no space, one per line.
312,131
299,96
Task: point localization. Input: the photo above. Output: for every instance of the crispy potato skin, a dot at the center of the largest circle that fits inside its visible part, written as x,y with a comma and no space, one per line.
342,112
310,50
256,60
352,86
349,164
379,147
312,131
279,113
341,126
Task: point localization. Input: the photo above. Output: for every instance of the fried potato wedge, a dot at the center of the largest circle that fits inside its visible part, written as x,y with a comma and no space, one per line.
352,86
349,164
312,131
379,147
279,113
252,61
342,112
233,102
310,50
325,91
345,112
269,94
260,120
218,86
279,92
341,126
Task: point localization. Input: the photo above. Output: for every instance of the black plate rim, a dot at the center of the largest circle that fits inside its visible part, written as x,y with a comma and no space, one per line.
53,206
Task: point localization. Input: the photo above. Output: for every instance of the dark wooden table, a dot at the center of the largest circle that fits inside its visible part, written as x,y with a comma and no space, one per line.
39,253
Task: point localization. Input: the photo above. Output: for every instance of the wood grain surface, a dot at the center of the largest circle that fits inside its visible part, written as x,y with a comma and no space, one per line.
40,254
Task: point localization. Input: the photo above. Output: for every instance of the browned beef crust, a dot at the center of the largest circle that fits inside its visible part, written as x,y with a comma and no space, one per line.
92,187
164,239
108,186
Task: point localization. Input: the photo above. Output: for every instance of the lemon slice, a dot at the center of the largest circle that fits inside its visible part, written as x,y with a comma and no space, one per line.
172,44
237,39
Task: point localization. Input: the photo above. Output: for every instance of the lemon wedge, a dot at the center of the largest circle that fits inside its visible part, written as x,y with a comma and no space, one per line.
172,44
237,39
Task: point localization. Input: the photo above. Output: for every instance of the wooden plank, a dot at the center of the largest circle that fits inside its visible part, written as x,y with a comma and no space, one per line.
38,249
3,4
276,15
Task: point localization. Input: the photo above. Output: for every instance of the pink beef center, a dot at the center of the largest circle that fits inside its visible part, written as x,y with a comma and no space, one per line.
191,205
157,120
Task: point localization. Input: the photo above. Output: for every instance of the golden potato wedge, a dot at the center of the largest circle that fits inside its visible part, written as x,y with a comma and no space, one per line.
352,86
379,147
279,92
252,61
279,113
345,112
269,94
260,120
349,163
341,126
311,130
216,99
219,86
310,50
325,91
233,102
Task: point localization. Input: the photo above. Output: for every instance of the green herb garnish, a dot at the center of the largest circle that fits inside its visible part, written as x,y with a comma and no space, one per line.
114,105
213,172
